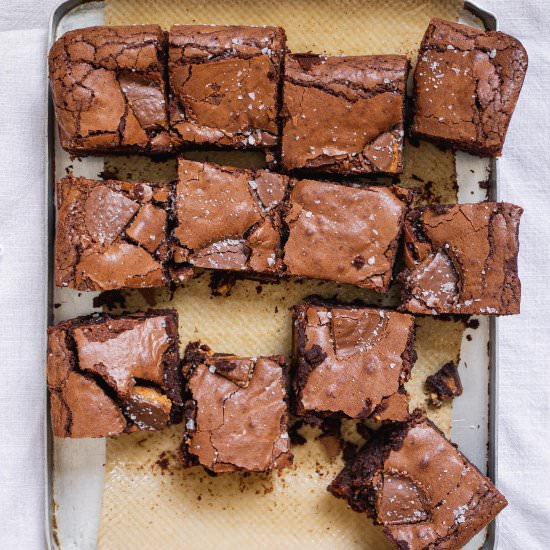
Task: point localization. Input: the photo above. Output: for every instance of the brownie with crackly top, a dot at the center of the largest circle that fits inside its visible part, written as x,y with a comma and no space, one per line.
110,375
467,83
225,85
237,414
344,115
228,218
109,91
343,233
415,483
351,361
111,234
462,259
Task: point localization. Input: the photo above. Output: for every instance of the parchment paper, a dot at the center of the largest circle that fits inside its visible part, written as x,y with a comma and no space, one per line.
149,501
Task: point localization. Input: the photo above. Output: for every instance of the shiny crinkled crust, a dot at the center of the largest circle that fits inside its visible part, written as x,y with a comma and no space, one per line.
344,234
228,218
344,115
351,361
111,234
236,416
108,90
462,259
467,83
411,480
225,85
110,375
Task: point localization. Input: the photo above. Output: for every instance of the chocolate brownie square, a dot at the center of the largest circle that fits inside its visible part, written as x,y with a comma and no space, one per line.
462,259
237,414
225,83
344,115
411,480
228,218
344,234
108,90
351,361
110,234
111,375
467,83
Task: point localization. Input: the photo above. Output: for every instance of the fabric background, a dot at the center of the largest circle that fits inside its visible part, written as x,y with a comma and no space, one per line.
524,340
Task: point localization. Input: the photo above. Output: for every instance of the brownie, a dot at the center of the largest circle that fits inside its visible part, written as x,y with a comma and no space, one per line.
411,480
344,115
111,375
225,83
237,414
344,234
467,83
228,218
108,90
462,259
444,385
111,234
351,361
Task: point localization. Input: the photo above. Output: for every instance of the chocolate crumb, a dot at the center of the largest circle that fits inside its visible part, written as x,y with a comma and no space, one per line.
110,300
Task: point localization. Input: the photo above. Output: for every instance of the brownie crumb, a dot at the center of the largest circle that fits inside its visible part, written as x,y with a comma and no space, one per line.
445,384
222,283
110,300
296,438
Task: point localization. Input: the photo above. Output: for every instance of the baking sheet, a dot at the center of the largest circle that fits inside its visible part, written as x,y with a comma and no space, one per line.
131,492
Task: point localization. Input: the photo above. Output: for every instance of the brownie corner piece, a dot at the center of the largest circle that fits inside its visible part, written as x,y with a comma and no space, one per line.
343,233
462,259
415,483
344,114
225,85
351,361
467,83
111,234
109,375
237,414
108,90
228,218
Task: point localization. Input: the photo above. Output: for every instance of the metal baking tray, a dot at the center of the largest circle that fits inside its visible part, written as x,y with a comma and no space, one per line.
74,468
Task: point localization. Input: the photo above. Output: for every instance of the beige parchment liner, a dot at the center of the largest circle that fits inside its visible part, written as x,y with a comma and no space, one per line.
149,501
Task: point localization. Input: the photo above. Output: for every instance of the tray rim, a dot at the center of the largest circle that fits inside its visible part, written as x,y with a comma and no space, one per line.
59,11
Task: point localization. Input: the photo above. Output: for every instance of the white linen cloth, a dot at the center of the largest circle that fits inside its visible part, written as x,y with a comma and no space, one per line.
524,340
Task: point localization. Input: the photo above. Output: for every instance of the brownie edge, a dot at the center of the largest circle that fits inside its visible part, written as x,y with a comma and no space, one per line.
411,480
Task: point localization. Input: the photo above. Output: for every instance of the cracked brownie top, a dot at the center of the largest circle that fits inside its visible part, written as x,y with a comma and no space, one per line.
462,259
224,84
108,90
344,234
110,375
237,416
352,361
110,234
467,83
413,481
228,218
344,114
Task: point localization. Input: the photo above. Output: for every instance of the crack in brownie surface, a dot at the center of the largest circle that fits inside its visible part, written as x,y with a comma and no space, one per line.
108,90
228,218
225,85
467,83
110,234
352,361
110,375
343,115
462,259
411,480
237,416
